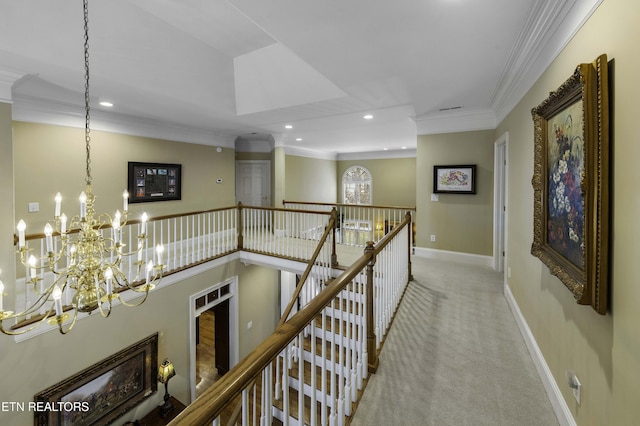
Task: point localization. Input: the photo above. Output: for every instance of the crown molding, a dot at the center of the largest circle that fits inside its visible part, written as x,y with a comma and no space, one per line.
378,155
453,122
64,114
550,26
301,152
7,80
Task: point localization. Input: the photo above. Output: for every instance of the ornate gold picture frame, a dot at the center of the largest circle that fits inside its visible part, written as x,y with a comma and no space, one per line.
571,183
103,392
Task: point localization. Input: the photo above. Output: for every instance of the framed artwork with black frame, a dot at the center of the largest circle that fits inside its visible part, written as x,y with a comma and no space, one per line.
149,182
104,391
454,179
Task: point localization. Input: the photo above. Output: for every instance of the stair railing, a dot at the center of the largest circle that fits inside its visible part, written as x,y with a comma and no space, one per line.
312,368
358,223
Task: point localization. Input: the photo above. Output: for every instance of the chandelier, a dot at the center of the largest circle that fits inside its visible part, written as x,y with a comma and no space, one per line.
87,267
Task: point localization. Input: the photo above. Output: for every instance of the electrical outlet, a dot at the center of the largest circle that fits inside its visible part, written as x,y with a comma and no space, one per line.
249,325
574,384
34,207
435,197
433,238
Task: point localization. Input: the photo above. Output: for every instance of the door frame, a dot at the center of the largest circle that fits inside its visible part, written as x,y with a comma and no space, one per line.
234,344
267,178
500,210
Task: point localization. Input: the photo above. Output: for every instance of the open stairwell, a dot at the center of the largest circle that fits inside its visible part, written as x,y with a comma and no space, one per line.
331,357
314,368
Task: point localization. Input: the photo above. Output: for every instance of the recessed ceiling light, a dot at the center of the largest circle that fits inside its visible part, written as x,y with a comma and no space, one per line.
386,149
368,117
288,126
404,147
299,139
106,104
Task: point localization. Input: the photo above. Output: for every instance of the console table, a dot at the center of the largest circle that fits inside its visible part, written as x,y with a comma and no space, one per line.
155,419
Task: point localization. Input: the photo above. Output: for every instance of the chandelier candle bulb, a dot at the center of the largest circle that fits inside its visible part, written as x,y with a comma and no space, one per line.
83,205
115,231
108,275
32,267
1,294
58,199
125,201
48,232
63,224
57,300
159,250
149,269
143,224
21,227
140,252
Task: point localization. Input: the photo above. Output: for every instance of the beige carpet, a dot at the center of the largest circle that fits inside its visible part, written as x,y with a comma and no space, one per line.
454,356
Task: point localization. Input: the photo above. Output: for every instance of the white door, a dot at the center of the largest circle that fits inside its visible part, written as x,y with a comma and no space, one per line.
500,202
253,182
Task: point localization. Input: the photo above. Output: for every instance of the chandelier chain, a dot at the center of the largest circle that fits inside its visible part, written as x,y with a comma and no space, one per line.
87,130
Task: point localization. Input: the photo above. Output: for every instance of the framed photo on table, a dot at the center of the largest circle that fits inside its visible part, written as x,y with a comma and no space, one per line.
454,179
571,183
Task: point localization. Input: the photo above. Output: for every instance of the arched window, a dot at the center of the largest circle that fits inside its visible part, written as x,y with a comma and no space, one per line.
356,186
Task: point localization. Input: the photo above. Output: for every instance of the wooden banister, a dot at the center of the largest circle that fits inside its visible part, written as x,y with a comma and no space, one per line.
211,403
307,271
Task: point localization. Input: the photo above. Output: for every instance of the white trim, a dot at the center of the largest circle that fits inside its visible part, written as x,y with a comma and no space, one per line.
378,155
458,121
560,407
349,181
308,153
234,335
454,256
500,187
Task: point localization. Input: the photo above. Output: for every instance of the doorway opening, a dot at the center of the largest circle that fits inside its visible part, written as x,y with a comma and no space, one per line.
500,202
213,328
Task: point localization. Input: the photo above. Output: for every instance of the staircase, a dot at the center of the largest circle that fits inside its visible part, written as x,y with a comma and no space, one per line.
330,355
313,369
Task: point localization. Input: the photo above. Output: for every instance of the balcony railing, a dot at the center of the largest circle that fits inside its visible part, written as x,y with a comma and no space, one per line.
358,223
312,368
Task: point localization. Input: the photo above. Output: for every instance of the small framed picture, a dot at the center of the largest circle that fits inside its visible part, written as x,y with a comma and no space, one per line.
454,179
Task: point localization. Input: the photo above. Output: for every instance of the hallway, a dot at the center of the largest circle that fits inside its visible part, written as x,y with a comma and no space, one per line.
454,356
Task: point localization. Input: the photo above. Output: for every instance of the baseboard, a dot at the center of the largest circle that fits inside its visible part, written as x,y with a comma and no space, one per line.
455,256
560,407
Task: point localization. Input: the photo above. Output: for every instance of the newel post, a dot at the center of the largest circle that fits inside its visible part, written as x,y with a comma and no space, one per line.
240,237
372,353
409,235
334,256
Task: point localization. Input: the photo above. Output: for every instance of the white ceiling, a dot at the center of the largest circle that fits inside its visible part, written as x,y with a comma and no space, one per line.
210,71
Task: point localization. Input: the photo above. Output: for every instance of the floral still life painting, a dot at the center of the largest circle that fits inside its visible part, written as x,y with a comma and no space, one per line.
565,216
571,183
454,179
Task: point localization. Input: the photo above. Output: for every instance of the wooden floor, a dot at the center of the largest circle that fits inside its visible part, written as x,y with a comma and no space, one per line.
206,372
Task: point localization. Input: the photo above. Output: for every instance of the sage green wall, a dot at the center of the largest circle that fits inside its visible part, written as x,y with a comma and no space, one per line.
310,179
394,180
460,222
604,351
34,365
50,159
259,304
